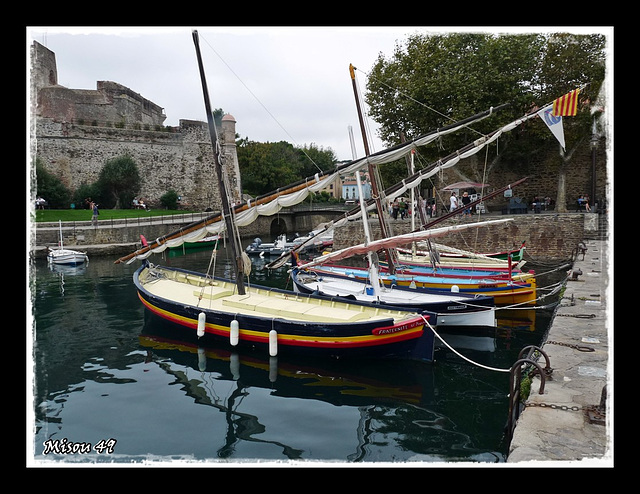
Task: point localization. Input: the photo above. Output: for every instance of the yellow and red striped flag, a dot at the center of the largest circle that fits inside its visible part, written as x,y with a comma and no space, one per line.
567,105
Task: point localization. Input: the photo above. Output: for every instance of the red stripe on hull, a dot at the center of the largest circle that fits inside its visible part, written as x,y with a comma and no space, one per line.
388,335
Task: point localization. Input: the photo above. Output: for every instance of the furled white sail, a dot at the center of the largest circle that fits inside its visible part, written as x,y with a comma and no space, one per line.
394,241
246,213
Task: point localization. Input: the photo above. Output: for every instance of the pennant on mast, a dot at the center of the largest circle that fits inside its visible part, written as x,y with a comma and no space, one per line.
554,123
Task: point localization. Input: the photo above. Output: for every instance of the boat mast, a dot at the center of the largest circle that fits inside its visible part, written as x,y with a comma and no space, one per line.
373,263
384,229
60,229
226,207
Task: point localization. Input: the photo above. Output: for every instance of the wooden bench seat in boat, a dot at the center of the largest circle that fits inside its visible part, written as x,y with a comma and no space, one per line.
223,297
210,294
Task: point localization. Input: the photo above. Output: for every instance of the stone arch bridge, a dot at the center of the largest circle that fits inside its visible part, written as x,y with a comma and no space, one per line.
300,219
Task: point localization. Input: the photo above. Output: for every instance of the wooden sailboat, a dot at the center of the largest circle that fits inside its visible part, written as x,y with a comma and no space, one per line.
65,257
504,291
328,278
275,319
448,257
446,308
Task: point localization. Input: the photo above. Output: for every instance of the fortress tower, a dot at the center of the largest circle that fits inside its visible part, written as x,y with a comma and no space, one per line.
75,132
109,104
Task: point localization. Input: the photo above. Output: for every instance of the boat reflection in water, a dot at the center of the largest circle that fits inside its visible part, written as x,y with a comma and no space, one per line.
383,410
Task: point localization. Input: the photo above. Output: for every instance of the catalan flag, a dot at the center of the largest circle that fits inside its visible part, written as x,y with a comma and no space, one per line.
567,105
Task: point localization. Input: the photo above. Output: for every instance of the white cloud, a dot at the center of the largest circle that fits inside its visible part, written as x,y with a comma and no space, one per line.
280,83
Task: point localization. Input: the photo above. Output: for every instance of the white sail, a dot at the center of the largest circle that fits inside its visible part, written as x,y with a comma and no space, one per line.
394,241
246,213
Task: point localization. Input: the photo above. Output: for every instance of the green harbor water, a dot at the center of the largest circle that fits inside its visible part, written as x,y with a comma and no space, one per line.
113,385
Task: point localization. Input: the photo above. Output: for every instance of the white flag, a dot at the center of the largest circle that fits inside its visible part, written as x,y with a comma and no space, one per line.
554,123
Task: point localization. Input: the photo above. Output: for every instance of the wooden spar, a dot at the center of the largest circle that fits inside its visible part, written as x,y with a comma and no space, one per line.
278,262
384,229
470,205
226,208
197,225
294,187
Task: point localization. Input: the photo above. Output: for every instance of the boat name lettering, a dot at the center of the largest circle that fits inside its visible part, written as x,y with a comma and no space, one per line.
456,307
396,329
66,447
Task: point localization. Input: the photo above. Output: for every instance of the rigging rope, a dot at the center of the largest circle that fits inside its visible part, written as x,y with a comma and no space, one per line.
398,91
260,102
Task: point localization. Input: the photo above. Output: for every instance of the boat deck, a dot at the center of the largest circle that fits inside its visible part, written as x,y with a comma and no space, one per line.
347,287
197,291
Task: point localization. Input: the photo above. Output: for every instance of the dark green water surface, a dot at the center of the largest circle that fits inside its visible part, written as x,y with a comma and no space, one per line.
111,384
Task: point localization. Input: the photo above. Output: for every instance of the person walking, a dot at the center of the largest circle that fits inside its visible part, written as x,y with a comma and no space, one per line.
453,202
465,204
395,208
403,209
94,218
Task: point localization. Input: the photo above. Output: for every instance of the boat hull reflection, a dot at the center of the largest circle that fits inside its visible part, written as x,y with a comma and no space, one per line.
400,402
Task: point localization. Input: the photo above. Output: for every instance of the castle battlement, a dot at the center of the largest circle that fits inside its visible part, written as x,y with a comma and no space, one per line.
78,130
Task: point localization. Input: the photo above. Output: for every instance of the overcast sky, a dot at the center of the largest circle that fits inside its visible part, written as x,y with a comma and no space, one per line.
280,83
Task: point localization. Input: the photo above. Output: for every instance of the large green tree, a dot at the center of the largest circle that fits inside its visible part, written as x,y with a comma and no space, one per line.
119,182
434,80
265,166
51,188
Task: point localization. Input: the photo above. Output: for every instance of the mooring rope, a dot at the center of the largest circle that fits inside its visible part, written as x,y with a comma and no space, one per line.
458,353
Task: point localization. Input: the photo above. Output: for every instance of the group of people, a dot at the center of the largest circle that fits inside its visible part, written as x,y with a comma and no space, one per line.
583,200
399,208
402,209
139,204
539,204
464,202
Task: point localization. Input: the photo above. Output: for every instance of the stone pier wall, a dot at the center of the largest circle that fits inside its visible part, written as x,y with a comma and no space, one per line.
549,237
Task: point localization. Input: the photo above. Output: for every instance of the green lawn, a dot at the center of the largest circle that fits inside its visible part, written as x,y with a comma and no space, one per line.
105,214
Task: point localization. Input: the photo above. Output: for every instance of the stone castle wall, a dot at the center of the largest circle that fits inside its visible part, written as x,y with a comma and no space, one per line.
180,161
75,132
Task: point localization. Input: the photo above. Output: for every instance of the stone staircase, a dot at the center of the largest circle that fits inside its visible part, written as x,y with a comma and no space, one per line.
602,231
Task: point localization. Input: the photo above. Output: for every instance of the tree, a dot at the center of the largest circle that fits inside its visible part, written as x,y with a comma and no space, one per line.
51,188
119,182
437,79
571,62
170,199
267,166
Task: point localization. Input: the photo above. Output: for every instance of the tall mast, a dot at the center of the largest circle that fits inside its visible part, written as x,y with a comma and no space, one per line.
386,155
224,196
384,229
373,265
